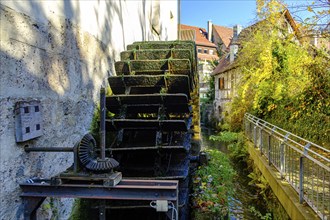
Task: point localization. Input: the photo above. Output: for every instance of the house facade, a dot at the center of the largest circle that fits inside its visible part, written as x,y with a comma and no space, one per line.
226,76
220,36
206,53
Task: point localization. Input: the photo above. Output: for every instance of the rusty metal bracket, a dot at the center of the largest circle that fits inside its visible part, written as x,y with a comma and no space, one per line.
33,194
31,204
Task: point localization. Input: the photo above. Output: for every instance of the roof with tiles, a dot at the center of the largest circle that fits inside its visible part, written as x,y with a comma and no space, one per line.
200,35
223,64
225,33
187,35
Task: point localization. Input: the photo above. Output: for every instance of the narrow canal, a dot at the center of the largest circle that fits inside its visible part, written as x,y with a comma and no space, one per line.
244,197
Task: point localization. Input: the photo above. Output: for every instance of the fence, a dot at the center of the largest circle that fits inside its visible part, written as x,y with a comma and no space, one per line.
303,164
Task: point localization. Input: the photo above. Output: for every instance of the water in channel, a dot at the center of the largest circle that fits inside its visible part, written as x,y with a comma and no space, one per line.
244,196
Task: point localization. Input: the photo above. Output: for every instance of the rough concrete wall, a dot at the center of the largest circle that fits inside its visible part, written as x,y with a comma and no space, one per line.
50,57
115,22
62,67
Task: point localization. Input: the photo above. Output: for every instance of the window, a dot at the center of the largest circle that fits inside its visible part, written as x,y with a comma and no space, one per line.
221,83
205,50
199,50
211,52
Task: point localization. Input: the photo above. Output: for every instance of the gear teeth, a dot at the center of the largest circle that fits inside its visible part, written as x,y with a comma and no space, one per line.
86,151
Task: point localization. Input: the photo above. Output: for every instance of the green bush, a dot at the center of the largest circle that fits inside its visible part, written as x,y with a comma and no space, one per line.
225,136
213,185
236,144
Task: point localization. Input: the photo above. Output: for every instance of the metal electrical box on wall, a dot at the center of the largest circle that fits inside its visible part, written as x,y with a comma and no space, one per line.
28,124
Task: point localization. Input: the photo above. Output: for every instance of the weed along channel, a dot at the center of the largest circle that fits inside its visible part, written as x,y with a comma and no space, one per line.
229,186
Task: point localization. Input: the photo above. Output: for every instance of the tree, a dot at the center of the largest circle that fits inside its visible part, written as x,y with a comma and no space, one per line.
318,16
311,17
282,79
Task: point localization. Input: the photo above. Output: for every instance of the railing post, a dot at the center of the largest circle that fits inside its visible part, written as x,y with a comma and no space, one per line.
269,146
255,135
306,147
260,135
269,160
282,161
301,180
250,131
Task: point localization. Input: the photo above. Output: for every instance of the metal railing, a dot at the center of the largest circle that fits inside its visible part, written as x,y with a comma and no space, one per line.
303,164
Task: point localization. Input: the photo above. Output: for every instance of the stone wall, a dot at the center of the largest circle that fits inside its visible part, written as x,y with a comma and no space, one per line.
61,59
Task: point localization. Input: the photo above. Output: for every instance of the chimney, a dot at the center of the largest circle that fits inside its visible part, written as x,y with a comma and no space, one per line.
233,44
237,29
233,51
209,30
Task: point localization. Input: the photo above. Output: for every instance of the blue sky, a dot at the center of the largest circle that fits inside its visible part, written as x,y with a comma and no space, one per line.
222,12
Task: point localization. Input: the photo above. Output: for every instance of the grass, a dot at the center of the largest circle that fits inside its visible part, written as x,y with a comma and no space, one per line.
213,186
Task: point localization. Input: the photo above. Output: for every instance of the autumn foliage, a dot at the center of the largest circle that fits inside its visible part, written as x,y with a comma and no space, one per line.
283,79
